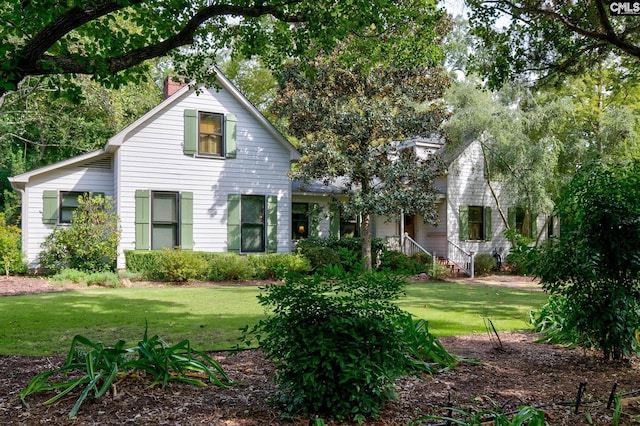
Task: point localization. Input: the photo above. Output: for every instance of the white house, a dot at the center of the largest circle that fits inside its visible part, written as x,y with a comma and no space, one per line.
206,171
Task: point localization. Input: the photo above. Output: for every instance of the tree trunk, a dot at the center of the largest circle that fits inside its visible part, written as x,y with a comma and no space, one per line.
366,241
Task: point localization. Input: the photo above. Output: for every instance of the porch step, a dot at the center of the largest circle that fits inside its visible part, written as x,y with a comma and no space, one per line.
456,271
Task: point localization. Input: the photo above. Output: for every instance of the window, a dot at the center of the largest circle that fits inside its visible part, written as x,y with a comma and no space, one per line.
68,204
349,225
299,220
522,221
252,223
164,220
210,134
475,223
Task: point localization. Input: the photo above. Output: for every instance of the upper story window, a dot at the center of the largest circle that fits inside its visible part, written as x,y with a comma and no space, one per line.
210,134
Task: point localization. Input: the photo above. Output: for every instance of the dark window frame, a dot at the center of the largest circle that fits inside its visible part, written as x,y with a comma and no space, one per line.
475,223
300,220
247,224
62,208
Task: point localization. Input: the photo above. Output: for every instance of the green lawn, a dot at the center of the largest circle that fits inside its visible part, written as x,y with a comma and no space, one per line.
210,317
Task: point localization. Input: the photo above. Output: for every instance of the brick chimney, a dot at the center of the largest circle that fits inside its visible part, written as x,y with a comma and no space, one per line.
172,84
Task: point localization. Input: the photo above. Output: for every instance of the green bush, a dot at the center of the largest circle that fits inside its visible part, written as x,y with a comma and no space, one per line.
483,263
594,263
522,258
89,243
277,265
228,267
10,248
141,261
178,266
319,257
394,261
551,321
336,344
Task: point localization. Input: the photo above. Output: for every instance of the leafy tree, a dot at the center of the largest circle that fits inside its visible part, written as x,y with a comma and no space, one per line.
39,128
540,39
10,248
595,264
521,141
346,119
111,40
90,244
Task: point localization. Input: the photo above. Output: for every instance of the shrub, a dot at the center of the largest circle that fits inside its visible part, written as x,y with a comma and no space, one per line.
483,263
228,267
594,263
395,261
178,266
522,258
10,248
277,265
336,343
319,257
141,261
89,244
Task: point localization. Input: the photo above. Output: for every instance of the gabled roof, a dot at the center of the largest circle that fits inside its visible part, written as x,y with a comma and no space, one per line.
94,157
122,136
19,181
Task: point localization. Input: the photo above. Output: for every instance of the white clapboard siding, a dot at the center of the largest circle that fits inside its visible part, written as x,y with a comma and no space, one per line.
152,158
71,178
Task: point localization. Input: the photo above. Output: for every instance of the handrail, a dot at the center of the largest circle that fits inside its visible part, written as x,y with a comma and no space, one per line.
463,259
410,246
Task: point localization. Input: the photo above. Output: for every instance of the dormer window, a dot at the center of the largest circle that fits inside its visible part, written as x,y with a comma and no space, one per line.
210,134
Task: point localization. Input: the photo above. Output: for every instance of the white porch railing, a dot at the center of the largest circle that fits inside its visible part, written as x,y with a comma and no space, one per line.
411,247
461,258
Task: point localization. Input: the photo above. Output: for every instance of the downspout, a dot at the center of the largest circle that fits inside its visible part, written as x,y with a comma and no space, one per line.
402,230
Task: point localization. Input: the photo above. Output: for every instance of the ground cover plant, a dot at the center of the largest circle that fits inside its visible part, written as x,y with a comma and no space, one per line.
95,367
211,316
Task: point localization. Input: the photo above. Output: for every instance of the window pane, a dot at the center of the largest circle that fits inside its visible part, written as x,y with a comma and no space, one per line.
164,207
252,239
164,236
252,209
210,144
69,199
66,214
210,123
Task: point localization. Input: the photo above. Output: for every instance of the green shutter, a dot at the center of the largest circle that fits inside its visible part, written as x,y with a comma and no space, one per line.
314,220
230,136
233,223
464,222
142,219
487,223
334,221
50,207
186,220
190,132
272,224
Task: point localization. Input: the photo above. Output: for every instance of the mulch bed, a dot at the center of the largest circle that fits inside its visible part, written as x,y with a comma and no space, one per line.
514,371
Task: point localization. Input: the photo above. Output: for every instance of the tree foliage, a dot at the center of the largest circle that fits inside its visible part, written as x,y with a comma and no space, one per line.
595,264
540,39
111,40
90,243
346,118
